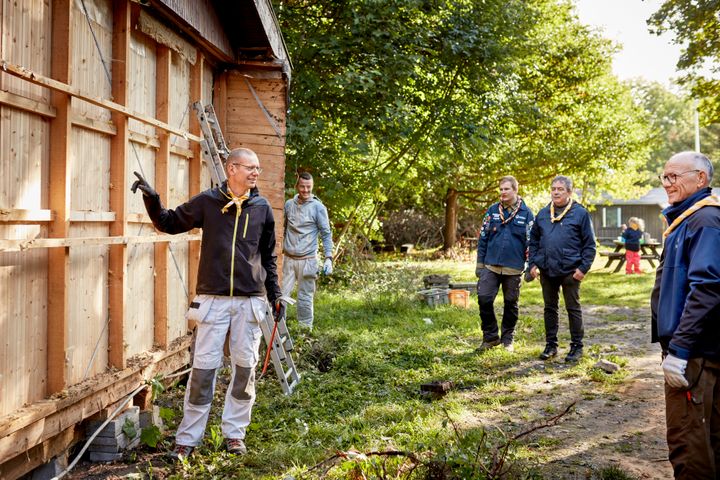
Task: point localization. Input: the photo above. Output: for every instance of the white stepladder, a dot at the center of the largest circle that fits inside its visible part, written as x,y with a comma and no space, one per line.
215,152
281,350
214,149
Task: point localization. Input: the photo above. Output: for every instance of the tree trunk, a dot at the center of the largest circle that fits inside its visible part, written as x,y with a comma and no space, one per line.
450,228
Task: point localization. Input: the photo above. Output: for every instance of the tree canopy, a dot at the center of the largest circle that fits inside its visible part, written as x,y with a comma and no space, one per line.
696,24
417,103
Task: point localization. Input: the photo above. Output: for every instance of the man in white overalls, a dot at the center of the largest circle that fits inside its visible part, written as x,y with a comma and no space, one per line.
306,219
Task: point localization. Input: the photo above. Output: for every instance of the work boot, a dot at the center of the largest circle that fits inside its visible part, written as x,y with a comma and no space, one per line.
487,345
235,446
508,346
576,353
181,452
550,351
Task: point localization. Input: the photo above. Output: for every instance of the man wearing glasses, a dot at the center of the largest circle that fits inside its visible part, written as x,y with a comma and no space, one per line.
686,317
306,219
237,277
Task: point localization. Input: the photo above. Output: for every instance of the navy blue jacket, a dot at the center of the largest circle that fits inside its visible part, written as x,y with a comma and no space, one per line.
504,245
632,239
559,248
686,298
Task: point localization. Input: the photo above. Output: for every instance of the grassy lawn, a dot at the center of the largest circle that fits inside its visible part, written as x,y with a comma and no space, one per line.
374,344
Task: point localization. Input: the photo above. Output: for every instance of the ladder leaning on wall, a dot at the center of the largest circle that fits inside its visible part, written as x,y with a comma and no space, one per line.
215,151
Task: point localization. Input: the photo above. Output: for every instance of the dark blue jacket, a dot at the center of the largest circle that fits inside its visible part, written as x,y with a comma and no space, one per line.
686,298
632,239
504,245
559,248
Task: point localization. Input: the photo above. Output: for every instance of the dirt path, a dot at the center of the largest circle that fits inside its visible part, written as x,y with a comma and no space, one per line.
612,425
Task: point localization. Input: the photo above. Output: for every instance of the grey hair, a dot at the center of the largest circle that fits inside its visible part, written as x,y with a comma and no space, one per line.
700,162
242,152
703,163
564,180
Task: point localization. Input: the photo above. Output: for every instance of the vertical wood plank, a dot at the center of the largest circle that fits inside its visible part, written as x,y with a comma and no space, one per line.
119,183
59,200
162,158
196,88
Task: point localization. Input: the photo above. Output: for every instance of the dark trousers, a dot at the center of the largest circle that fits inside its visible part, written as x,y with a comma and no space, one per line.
487,289
571,294
693,422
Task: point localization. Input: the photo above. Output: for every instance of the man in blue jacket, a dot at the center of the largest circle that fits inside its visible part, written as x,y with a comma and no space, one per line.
686,317
501,255
561,251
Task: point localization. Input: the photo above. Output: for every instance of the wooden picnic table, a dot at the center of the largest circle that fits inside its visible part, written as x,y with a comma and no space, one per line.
649,252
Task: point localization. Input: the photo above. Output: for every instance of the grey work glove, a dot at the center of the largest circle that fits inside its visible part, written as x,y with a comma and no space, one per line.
674,370
479,267
278,310
327,266
144,186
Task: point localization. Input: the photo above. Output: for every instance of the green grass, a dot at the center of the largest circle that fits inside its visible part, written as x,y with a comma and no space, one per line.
362,368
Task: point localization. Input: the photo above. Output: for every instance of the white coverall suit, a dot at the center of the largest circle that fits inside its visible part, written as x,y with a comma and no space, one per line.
304,222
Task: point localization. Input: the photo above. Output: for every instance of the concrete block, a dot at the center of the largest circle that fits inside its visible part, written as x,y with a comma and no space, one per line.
105,457
51,469
151,417
114,428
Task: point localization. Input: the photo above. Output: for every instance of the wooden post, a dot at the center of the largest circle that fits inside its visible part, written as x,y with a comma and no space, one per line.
162,159
59,196
119,184
196,84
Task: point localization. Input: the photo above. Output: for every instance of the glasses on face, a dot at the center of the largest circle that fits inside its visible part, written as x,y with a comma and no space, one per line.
671,178
249,168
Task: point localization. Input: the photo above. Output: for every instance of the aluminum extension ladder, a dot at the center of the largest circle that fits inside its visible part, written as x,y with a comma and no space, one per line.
214,149
215,152
281,353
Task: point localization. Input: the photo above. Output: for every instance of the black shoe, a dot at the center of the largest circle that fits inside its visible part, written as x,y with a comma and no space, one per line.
550,351
485,345
180,452
576,353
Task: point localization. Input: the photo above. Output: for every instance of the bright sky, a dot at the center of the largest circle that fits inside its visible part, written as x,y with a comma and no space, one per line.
643,54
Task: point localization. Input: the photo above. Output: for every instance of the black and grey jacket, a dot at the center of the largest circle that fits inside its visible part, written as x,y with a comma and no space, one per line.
255,270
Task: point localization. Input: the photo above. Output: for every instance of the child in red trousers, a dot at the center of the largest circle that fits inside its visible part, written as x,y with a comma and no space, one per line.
632,236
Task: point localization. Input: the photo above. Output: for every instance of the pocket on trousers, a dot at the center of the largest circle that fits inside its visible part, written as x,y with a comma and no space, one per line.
310,269
199,308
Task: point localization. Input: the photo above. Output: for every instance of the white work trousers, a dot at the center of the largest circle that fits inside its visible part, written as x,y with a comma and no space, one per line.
241,315
304,271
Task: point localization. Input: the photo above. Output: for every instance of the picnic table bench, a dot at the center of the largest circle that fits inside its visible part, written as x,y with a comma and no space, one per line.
648,249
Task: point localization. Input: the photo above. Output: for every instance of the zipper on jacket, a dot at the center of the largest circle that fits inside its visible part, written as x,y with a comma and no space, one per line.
232,254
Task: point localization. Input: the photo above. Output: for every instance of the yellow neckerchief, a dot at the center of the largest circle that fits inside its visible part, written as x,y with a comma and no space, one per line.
514,211
237,201
234,199
712,200
553,218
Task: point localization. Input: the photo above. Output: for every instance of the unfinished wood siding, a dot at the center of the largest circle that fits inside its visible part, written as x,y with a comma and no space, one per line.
24,38
248,126
25,41
89,166
202,17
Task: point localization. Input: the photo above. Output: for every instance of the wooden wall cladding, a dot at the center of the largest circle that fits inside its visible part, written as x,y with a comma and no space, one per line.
91,293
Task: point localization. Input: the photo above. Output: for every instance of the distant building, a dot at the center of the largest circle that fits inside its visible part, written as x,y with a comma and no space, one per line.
610,213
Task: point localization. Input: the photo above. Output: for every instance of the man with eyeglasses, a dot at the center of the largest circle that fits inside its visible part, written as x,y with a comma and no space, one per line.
237,277
561,252
686,317
306,219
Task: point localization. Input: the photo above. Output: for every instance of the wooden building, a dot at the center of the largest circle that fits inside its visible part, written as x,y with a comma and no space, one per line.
93,299
610,213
